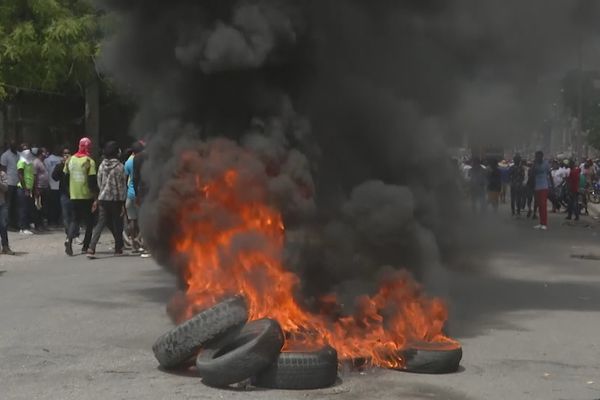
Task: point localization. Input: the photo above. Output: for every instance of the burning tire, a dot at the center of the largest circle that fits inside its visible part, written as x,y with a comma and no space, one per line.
296,371
430,358
181,344
254,349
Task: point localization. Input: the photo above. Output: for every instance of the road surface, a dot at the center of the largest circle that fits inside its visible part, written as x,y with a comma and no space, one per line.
71,328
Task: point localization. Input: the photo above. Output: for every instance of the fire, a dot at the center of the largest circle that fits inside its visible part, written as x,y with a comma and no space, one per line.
233,240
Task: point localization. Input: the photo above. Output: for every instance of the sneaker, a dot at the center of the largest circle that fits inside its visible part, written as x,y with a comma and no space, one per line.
118,252
537,227
25,232
69,248
145,255
543,227
91,254
8,251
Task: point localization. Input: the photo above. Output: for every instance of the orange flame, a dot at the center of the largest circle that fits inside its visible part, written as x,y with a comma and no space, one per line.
233,244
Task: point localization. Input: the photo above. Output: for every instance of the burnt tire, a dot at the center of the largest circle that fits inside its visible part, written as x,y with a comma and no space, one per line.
255,348
298,371
427,359
176,347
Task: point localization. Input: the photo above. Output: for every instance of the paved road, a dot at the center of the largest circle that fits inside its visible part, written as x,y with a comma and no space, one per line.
71,328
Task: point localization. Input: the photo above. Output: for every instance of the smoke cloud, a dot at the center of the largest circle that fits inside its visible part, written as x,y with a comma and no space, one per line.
348,109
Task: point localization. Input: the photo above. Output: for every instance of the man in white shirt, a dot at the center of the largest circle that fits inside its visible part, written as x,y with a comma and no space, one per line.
54,206
8,163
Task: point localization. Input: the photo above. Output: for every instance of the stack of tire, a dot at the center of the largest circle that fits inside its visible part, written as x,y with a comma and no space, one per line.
227,350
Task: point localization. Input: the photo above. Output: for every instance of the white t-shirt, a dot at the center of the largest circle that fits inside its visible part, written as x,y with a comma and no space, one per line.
9,161
559,175
51,162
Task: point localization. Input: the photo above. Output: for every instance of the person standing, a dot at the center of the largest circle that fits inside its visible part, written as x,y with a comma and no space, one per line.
4,214
112,192
8,163
504,169
67,212
131,206
478,180
81,175
558,177
517,177
573,187
42,189
494,185
541,173
25,190
54,208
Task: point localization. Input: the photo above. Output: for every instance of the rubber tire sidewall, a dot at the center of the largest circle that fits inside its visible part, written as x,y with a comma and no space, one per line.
428,361
180,345
261,343
300,371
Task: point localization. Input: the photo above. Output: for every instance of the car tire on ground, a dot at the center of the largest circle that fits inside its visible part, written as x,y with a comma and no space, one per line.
431,358
249,353
176,347
300,370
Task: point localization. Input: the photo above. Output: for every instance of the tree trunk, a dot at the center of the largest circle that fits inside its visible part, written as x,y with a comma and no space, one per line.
92,113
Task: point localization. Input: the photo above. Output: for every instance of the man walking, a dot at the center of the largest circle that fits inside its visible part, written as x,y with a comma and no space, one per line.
573,188
8,163
112,188
131,205
81,175
542,180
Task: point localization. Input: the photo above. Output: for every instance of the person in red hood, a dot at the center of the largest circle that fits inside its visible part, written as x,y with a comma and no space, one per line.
573,187
80,171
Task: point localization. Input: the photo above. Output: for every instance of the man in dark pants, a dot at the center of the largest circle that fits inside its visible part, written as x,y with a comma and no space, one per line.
81,172
112,191
517,178
573,187
8,163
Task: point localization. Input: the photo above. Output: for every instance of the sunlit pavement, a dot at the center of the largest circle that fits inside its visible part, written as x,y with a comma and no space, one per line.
72,328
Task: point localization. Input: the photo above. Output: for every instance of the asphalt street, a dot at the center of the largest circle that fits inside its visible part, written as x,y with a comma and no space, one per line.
72,328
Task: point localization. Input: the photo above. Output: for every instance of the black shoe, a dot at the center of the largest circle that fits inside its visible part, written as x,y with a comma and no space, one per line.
6,250
84,250
69,247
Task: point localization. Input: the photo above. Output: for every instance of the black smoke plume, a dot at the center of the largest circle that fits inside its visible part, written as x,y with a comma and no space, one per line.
349,105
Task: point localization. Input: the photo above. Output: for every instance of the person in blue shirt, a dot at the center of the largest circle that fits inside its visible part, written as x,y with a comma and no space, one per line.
542,185
131,206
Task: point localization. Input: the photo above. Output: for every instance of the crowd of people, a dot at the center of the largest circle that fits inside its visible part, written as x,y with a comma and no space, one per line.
530,185
42,190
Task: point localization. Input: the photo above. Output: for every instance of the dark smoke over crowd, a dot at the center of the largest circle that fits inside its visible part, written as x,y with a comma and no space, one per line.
353,103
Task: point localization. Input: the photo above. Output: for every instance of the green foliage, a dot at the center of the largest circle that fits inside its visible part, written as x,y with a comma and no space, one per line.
47,44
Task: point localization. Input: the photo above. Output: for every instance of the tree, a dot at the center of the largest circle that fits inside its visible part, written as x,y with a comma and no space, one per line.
582,89
47,45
